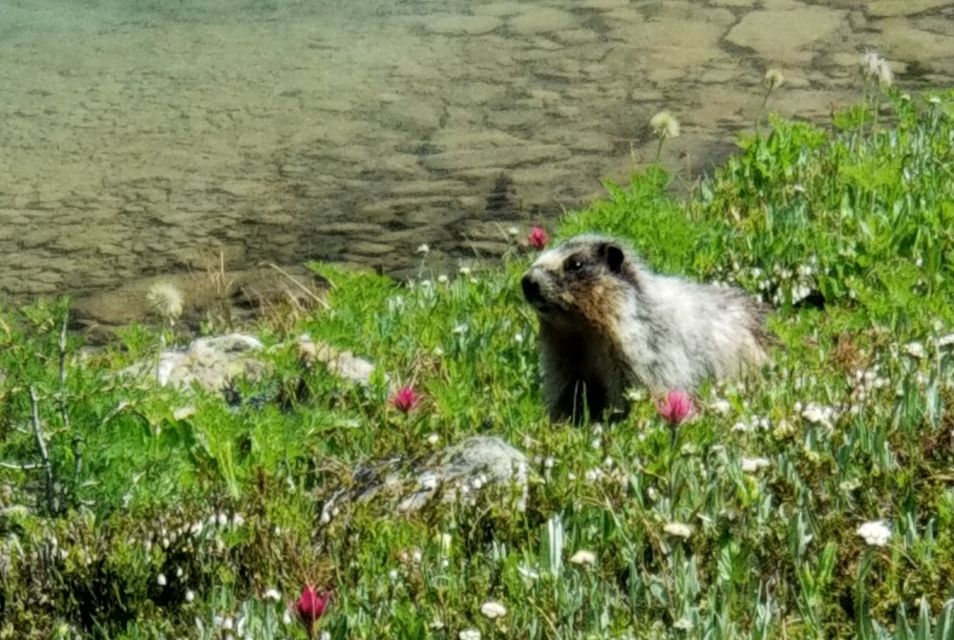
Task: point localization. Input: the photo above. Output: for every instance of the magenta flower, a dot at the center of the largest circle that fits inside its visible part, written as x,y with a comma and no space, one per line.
311,606
538,238
405,399
676,407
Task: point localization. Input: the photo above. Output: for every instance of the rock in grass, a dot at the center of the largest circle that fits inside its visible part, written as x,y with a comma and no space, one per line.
212,363
342,364
458,473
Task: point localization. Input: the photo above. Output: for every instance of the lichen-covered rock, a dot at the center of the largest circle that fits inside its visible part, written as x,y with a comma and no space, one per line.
212,363
458,473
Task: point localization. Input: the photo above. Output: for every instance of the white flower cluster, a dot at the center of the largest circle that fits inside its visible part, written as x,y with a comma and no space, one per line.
876,68
819,414
876,533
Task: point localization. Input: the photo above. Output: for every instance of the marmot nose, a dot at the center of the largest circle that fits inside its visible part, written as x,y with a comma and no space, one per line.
531,288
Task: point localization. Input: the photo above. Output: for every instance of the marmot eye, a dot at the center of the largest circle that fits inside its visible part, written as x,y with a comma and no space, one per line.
573,264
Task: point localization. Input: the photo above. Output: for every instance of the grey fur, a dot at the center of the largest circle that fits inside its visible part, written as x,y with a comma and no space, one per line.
604,330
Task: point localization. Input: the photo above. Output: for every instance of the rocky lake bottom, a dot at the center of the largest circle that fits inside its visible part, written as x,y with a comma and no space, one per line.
143,139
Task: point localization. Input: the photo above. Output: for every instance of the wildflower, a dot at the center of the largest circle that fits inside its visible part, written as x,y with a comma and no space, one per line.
493,609
876,533
870,64
915,350
443,279
676,407
682,624
183,412
512,231
885,75
311,606
405,399
469,634
161,579
678,529
774,79
664,125
166,301
189,595
272,594
583,557
538,238
464,271
752,465
423,249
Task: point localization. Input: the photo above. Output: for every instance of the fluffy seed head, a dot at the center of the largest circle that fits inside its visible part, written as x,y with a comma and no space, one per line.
774,79
166,300
664,125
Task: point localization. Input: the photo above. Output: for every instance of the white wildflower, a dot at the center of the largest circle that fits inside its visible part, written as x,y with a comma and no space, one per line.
583,557
469,634
433,439
166,300
183,412
885,75
189,595
493,609
819,414
513,231
870,64
876,533
423,249
161,579
443,279
464,271
678,529
774,79
722,407
273,595
915,350
753,465
664,125
460,329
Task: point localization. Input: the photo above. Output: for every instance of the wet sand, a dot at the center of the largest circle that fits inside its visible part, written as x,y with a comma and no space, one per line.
144,138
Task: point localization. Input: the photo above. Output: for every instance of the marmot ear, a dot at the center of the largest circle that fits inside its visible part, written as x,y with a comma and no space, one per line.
613,256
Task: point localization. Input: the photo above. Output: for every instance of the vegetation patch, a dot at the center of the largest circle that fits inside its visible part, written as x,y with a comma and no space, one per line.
816,501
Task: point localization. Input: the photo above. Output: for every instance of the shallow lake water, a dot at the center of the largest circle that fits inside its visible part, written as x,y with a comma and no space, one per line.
147,137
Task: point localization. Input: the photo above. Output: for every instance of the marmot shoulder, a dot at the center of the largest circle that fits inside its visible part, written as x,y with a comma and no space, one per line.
608,323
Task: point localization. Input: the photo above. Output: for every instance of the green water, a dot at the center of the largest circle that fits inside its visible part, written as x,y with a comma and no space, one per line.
141,138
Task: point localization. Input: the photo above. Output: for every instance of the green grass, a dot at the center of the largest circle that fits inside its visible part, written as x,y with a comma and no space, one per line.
131,530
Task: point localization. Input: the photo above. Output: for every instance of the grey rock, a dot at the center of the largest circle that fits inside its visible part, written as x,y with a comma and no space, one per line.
456,474
211,363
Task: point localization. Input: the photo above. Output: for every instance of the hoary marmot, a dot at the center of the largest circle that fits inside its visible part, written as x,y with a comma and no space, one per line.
607,323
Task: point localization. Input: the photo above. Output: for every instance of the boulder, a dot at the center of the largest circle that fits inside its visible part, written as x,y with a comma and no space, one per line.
458,473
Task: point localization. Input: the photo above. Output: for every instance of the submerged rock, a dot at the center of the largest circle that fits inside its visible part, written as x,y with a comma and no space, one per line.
457,473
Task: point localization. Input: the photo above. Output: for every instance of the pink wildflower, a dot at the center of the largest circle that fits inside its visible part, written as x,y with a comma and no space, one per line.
676,407
538,238
405,399
311,606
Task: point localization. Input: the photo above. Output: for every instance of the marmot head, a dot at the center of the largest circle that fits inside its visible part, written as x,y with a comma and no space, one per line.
587,277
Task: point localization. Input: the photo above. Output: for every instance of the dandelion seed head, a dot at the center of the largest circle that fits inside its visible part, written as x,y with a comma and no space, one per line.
664,125
774,78
165,300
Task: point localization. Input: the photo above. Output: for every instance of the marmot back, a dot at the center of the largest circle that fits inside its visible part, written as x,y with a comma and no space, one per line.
607,323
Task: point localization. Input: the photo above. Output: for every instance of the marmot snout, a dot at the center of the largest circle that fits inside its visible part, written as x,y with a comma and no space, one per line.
607,323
